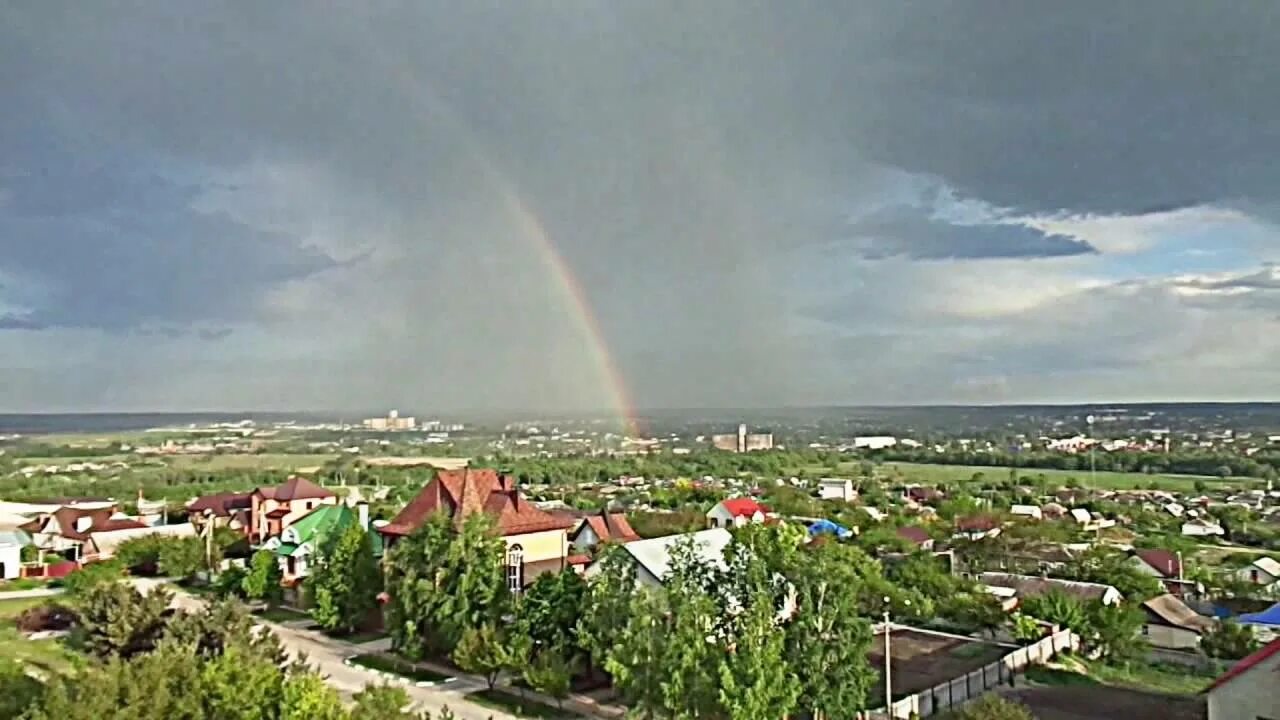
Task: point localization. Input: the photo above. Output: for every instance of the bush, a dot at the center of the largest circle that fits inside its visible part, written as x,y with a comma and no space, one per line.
230,583
81,581
50,616
142,555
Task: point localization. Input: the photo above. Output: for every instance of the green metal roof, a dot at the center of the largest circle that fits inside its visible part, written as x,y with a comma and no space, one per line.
286,549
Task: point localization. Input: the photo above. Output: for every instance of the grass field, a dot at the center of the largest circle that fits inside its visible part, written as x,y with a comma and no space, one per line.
261,461
947,474
47,655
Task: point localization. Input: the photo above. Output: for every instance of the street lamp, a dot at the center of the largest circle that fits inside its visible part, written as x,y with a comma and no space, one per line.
888,654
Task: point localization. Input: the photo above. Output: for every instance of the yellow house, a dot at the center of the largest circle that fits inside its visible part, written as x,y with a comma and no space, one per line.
537,541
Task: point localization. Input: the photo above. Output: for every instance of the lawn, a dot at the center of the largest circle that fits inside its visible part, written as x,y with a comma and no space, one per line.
950,474
508,702
258,461
1171,679
398,666
49,655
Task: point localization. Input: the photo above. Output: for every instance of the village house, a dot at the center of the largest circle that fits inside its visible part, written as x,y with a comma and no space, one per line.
736,512
537,541
69,530
1264,572
836,489
272,510
228,510
1165,565
652,557
977,527
1029,586
602,527
1171,625
1250,690
917,536
295,546
12,540
1201,527
1027,511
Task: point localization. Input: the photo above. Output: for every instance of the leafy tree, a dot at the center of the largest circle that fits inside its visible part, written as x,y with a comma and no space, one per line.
442,581
755,680
1228,640
1060,609
182,557
1116,631
345,581
307,697
606,608
482,651
994,707
230,583
116,620
141,555
18,690
219,626
82,581
1025,629
550,674
263,579
635,660
548,610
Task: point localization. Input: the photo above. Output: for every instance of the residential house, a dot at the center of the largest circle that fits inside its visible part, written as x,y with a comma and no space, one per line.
1029,586
1027,511
736,512
272,510
1250,690
1201,527
299,542
1090,521
921,495
229,510
537,541
1263,572
836,489
12,540
602,527
1171,625
68,530
106,542
977,527
1165,565
652,557
1053,511
917,536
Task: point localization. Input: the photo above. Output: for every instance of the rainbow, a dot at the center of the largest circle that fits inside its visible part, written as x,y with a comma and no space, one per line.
570,290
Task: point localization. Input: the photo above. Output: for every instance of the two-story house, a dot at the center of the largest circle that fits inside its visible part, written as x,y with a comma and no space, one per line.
271,510
537,541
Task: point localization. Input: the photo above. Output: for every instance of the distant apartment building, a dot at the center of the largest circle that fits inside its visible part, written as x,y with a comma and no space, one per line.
742,441
392,421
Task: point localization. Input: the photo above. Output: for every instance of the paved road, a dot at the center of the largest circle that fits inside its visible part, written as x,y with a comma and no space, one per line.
32,593
326,655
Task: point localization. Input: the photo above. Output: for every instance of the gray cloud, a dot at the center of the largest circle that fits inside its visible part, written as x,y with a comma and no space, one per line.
214,168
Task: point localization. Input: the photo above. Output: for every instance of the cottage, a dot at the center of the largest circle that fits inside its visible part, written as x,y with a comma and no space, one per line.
299,542
537,541
1263,572
603,527
977,527
836,489
1028,586
229,510
917,536
1172,625
1027,511
12,540
652,557
68,531
1201,527
274,509
736,512
1250,689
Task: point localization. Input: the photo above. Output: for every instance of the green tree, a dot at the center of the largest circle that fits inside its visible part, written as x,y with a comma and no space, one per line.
994,707
383,702
1109,566
345,581
116,620
548,610
1116,631
84,580
18,690
755,680
307,697
482,651
1025,629
607,605
182,557
1228,640
264,577
1060,609
230,583
550,674
141,555
635,660
442,581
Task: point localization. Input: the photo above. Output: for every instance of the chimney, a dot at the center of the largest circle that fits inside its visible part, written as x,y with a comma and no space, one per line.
362,511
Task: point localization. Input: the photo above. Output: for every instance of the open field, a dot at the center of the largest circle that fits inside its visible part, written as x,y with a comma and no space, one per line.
948,474
924,660
47,655
257,461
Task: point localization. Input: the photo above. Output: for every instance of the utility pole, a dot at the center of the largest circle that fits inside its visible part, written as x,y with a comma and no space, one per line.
888,655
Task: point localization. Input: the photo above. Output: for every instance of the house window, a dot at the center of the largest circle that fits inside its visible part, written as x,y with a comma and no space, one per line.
515,568
1146,629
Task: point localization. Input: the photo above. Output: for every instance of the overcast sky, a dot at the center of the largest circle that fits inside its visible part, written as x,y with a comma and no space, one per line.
309,206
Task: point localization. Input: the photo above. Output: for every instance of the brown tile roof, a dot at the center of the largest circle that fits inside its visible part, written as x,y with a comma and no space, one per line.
1162,561
467,491
977,523
299,488
67,517
222,504
917,535
117,524
610,527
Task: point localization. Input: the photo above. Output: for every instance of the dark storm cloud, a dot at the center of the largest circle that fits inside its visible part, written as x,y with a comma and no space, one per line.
677,155
906,231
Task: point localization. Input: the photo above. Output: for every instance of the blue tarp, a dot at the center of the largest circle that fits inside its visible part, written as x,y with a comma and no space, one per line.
826,527
1270,616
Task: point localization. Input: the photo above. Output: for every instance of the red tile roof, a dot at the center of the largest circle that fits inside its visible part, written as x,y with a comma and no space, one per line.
578,559
917,535
977,523
610,527
222,504
299,488
67,517
467,491
1162,561
743,507
117,524
1246,664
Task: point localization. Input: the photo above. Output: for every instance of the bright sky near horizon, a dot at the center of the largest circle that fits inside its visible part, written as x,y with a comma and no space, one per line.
557,205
